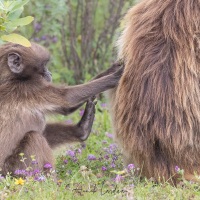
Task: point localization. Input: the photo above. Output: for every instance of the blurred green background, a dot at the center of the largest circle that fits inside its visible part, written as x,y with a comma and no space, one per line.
80,34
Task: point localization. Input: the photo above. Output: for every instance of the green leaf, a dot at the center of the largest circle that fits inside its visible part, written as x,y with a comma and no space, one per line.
7,4
2,20
21,22
119,172
2,28
12,25
15,5
15,38
9,28
2,7
15,14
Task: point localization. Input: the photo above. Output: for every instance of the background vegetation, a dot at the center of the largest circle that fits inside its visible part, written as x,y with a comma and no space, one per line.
79,33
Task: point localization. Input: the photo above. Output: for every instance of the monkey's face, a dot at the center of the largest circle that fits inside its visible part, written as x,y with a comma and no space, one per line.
47,74
28,63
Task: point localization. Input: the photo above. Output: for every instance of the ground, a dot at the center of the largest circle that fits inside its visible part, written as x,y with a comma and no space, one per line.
92,170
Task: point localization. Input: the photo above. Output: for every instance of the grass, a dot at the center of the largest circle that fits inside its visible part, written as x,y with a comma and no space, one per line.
93,170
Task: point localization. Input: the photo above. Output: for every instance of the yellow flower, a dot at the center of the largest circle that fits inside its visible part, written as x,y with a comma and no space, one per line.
60,181
19,181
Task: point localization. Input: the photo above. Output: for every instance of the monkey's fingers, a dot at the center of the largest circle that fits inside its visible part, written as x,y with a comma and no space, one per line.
120,71
87,120
92,98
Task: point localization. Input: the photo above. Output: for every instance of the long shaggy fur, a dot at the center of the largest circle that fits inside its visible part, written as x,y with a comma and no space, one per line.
156,107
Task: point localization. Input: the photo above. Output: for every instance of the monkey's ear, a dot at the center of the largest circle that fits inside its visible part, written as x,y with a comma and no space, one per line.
15,63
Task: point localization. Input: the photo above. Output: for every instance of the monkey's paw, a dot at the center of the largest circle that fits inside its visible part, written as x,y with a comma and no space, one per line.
88,118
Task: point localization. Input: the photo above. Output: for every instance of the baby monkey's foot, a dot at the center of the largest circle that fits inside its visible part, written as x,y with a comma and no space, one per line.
87,120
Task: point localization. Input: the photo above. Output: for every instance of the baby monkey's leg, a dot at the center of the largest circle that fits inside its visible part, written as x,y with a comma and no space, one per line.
57,134
33,144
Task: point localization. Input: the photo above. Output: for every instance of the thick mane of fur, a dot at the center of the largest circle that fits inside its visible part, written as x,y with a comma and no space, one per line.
157,103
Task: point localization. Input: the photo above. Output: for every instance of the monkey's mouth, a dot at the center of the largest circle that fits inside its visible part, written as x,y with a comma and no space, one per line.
48,76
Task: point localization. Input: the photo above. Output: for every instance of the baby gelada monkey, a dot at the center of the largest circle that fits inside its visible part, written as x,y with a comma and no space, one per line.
27,94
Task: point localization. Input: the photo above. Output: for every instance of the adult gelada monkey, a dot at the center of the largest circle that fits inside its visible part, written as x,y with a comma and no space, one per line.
27,94
156,106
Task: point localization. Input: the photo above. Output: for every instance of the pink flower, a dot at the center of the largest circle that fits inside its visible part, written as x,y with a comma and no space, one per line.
34,162
40,178
79,151
118,178
71,153
91,157
81,112
109,135
104,105
65,161
47,166
1,177
20,172
36,171
131,167
106,157
104,168
177,169
113,165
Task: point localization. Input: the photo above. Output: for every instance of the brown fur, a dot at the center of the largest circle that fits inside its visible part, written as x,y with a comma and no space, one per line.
156,107
26,96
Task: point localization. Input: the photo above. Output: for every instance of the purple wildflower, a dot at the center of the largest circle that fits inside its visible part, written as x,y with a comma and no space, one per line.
177,169
37,27
29,173
81,113
47,166
105,149
112,148
104,105
36,39
79,151
40,178
113,165
109,135
91,157
71,153
106,157
83,145
104,168
118,178
20,172
1,177
74,159
104,142
34,162
65,161
131,167
54,39
44,37
114,157
69,121
36,171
